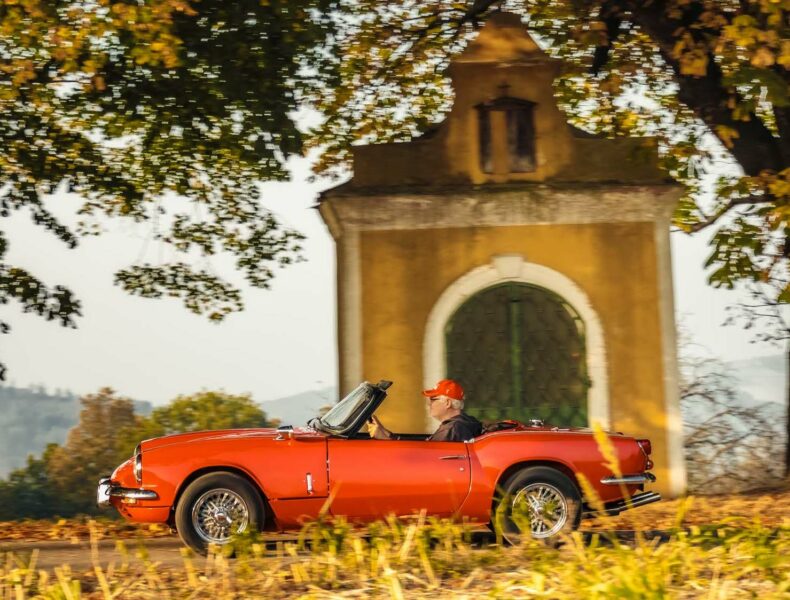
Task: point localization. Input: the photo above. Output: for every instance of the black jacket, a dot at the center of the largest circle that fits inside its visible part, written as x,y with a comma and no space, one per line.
457,429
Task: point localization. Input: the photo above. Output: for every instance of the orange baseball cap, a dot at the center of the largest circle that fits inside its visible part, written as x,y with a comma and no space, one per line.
446,387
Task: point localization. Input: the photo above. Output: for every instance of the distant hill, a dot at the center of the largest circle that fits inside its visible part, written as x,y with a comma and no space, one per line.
298,409
763,378
31,418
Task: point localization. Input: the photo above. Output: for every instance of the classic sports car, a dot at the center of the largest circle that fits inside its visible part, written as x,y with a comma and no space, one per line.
211,484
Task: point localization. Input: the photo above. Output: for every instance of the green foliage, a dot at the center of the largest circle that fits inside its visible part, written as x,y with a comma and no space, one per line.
34,296
28,492
128,103
91,451
63,481
673,70
198,412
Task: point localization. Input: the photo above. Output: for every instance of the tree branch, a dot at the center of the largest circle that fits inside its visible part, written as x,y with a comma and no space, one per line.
610,15
724,209
755,147
477,10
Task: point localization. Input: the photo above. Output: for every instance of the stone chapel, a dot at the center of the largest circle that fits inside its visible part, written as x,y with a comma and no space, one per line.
521,256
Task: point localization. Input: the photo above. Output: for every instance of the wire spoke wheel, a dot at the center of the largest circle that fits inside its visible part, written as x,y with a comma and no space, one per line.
544,506
218,514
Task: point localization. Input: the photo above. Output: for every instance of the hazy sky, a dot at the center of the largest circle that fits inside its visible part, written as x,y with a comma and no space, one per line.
283,343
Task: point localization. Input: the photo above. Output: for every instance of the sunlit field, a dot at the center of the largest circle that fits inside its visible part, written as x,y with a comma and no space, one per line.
713,547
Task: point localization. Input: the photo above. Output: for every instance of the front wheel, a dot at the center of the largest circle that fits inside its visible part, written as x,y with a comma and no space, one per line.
540,502
215,507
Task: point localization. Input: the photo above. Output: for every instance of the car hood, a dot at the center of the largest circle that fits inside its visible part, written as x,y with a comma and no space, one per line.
223,434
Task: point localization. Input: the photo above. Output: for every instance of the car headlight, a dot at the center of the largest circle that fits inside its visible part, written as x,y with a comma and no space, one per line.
138,464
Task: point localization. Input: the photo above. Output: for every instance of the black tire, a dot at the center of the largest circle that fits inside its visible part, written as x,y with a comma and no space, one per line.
560,506
200,518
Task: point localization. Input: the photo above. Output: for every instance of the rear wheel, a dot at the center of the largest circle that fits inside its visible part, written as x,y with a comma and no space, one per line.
540,502
215,507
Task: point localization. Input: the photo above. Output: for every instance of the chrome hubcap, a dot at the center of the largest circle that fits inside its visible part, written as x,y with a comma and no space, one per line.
544,506
218,514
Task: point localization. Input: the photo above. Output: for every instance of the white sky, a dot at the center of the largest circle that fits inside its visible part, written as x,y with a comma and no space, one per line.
283,343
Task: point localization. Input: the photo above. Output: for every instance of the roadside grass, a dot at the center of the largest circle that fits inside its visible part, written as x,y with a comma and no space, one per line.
428,558
772,507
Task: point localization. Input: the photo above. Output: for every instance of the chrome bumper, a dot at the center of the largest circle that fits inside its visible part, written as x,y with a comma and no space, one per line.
107,490
612,509
629,479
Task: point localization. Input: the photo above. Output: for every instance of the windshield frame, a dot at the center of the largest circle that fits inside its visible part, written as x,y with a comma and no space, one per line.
364,400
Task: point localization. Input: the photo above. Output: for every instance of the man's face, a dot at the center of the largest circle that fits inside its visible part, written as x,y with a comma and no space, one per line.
439,407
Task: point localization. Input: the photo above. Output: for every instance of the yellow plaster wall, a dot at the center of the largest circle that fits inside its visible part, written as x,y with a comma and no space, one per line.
403,274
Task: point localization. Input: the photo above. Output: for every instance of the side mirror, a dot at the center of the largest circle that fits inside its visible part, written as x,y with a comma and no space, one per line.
285,432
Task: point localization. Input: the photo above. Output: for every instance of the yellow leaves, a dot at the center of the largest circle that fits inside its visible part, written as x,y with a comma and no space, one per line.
694,63
712,19
726,134
24,73
763,57
762,42
784,54
779,185
692,56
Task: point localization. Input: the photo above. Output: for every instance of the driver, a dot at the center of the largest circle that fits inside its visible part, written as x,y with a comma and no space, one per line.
446,402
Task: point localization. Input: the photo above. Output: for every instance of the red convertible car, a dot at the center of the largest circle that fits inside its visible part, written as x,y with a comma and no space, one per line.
210,485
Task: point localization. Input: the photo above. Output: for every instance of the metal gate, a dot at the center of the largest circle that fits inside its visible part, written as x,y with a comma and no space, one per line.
519,352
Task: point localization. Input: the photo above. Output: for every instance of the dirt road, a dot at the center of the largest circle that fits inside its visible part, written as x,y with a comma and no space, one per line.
79,557
169,551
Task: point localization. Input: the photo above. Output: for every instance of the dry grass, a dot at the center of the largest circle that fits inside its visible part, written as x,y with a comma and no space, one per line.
431,559
78,529
772,507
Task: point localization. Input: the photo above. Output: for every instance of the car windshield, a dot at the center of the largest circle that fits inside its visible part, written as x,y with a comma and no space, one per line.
348,408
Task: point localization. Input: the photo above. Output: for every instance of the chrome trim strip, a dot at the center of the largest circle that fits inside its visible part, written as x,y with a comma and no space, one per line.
646,498
136,494
629,479
309,483
107,490
138,464
612,509
453,457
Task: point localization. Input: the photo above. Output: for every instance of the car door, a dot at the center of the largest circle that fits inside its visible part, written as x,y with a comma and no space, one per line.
371,478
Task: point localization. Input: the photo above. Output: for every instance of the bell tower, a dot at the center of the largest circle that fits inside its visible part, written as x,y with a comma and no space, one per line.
519,255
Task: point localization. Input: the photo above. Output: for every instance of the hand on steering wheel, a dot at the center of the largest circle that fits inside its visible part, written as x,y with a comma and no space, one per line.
377,430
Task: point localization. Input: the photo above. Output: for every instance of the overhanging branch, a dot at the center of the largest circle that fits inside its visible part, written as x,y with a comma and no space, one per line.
725,208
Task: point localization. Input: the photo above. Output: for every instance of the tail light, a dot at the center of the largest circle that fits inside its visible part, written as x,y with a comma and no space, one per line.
647,450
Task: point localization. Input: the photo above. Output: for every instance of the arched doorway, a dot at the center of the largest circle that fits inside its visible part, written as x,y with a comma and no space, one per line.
520,352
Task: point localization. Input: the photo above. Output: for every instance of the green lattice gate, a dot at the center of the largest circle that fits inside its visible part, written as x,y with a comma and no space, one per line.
519,352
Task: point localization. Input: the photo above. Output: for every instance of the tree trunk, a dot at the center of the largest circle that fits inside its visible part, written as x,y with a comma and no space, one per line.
787,417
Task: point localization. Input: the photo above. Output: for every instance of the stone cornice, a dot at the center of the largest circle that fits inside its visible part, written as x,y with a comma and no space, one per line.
346,208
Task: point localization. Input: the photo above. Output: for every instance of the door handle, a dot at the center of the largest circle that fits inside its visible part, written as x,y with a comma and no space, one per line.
453,457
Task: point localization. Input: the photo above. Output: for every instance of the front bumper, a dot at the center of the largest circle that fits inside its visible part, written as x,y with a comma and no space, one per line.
107,490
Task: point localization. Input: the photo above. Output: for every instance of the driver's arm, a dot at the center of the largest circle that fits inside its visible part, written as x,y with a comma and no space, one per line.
378,431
